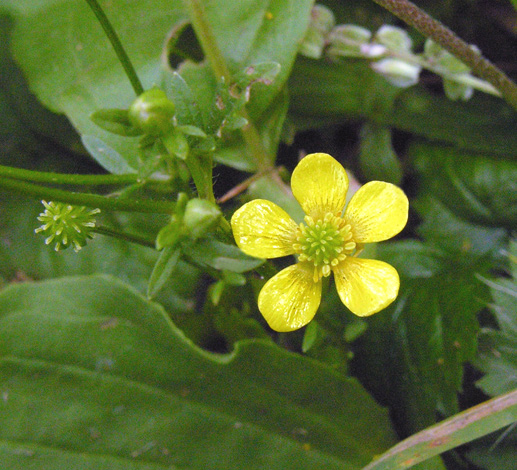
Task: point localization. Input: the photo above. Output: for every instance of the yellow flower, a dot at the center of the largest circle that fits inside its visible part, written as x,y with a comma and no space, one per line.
328,241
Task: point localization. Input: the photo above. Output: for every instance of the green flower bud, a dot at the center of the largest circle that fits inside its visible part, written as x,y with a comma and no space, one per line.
152,112
398,72
200,216
442,59
395,39
349,40
322,22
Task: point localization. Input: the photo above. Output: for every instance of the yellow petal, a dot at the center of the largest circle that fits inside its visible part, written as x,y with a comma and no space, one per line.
289,300
264,230
366,286
377,211
320,184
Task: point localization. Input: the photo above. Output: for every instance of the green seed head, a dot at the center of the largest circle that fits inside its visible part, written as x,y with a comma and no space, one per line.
65,225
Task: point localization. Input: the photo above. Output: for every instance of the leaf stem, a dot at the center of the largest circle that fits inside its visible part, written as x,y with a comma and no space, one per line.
65,178
124,236
88,199
429,27
117,46
209,45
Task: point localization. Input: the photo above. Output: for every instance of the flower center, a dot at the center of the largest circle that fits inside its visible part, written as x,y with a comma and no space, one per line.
324,243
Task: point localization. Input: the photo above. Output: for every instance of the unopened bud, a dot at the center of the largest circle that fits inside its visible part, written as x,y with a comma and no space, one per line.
200,216
398,72
442,59
395,39
322,22
348,40
152,112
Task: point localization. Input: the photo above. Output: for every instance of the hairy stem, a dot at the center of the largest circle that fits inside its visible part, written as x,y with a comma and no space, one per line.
87,199
443,36
117,46
65,178
124,236
214,55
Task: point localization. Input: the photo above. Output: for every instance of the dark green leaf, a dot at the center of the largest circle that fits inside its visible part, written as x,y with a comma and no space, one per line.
115,121
322,92
163,269
415,350
328,93
497,356
92,374
188,110
447,232
220,256
475,187
107,157
377,158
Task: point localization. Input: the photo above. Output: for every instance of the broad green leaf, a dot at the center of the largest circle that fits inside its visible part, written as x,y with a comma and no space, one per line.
24,122
460,429
73,70
476,187
377,158
93,374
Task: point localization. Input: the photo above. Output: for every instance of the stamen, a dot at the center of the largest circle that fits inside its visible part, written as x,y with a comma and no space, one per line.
324,242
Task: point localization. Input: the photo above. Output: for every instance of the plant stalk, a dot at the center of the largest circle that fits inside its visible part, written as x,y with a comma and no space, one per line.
65,178
88,199
214,55
124,236
117,46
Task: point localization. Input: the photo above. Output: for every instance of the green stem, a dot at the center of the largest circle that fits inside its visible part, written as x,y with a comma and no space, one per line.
446,38
214,55
87,199
207,39
64,178
117,46
124,236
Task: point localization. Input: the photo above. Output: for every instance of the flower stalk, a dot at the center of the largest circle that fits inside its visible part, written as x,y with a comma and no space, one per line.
64,178
87,199
117,46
